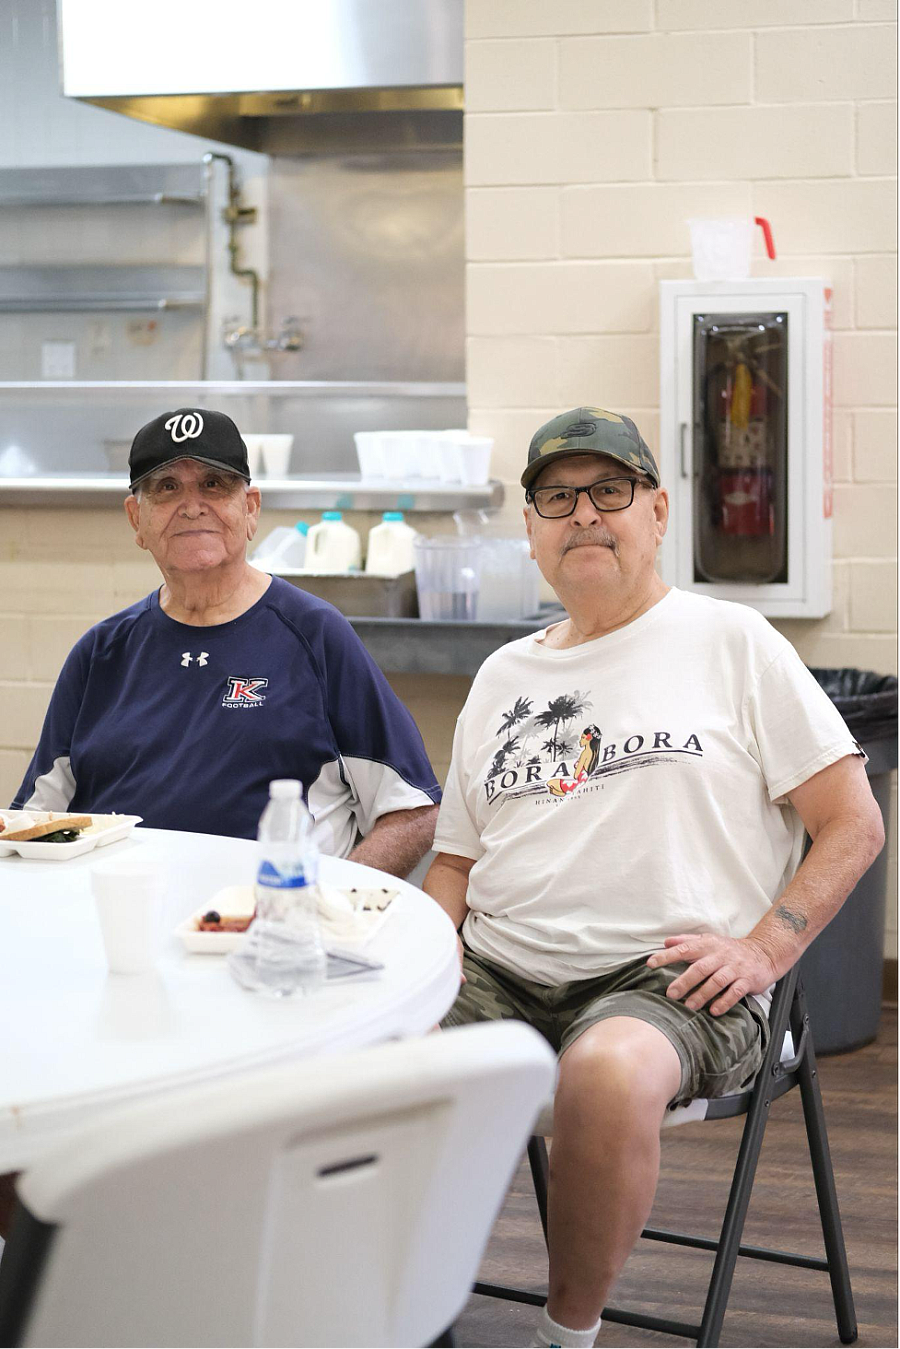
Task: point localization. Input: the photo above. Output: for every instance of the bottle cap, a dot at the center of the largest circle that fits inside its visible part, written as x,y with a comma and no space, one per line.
332,515
285,789
302,527
392,515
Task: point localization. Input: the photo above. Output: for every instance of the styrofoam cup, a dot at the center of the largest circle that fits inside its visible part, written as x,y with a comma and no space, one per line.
370,453
254,455
276,453
128,897
448,455
475,460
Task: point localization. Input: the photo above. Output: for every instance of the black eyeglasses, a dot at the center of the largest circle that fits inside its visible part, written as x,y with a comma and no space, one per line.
609,494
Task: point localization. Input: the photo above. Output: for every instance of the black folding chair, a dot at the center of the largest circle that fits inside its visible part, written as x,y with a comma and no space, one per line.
776,1076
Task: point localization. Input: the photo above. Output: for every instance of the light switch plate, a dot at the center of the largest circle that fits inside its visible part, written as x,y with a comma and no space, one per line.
57,360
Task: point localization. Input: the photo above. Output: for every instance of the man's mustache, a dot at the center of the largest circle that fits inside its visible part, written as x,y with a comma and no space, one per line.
591,534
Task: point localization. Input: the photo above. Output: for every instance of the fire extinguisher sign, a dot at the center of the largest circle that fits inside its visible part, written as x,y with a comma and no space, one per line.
827,447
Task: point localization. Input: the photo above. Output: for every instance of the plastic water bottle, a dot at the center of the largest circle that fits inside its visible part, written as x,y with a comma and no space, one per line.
282,952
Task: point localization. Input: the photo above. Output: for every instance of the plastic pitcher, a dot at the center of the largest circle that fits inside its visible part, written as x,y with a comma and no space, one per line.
332,546
292,553
390,547
721,248
447,577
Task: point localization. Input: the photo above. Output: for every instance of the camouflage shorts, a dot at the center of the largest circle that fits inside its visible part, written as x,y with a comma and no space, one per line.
719,1054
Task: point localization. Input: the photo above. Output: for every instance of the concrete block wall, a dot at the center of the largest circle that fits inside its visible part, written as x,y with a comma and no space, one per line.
594,128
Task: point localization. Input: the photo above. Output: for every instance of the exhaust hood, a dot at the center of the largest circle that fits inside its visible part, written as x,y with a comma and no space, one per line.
278,76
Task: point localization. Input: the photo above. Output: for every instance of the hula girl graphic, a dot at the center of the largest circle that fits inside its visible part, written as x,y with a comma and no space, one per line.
587,762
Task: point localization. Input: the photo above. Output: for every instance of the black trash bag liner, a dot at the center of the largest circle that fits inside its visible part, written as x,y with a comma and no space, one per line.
866,701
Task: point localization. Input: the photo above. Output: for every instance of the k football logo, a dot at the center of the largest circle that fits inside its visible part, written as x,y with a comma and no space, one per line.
184,426
244,692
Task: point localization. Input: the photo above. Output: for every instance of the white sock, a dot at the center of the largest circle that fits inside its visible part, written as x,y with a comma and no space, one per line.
550,1333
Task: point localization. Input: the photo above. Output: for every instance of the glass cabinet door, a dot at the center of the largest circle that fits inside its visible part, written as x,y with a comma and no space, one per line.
740,370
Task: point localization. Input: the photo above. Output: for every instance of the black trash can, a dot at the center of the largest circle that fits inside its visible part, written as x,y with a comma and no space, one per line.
843,969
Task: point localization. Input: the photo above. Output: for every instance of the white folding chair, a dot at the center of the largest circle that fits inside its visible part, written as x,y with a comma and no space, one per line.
341,1201
789,1062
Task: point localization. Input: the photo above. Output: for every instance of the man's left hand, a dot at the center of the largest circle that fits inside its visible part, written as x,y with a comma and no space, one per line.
722,968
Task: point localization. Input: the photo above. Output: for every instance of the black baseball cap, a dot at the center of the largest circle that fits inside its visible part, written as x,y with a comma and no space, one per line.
188,433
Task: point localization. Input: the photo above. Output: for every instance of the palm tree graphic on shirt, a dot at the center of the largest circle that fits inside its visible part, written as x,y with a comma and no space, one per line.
560,712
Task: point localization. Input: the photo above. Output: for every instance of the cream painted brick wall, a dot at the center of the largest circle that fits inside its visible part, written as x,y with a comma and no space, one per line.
503,76
608,371
875,445
809,64
865,523
808,140
876,138
537,18
876,292
592,147
784,109
705,14
854,215
873,596
865,369
512,223
566,297
641,219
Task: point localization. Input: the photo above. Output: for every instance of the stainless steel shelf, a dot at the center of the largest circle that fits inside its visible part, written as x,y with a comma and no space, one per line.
50,289
338,492
104,185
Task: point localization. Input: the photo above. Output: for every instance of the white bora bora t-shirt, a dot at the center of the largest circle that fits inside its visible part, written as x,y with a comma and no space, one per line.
632,788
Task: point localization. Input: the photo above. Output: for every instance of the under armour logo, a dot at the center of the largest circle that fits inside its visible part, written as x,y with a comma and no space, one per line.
184,426
186,658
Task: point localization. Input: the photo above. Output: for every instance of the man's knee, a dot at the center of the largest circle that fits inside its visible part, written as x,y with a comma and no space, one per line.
620,1064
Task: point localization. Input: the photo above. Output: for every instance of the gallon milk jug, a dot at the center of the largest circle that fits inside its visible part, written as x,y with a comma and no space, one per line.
390,548
332,546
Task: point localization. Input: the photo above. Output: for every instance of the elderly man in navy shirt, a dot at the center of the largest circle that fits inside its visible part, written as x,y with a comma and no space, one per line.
184,706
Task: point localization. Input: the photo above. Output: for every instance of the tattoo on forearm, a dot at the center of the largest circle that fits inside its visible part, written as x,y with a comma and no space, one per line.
792,920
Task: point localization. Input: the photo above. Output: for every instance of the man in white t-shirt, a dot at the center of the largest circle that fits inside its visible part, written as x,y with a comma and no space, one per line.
620,838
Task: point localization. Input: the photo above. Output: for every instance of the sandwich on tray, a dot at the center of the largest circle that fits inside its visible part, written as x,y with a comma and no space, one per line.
49,826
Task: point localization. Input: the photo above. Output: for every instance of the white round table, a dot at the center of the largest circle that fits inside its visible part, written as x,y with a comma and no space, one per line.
75,1038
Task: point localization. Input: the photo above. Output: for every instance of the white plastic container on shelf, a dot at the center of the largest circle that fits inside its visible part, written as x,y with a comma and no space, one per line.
332,546
390,547
291,555
284,547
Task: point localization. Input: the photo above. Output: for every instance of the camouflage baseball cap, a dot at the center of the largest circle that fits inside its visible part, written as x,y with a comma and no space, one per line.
589,431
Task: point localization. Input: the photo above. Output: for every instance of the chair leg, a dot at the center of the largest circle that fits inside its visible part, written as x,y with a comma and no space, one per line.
733,1225
826,1194
540,1174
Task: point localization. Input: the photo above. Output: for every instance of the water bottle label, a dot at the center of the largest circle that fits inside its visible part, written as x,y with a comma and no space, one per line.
271,878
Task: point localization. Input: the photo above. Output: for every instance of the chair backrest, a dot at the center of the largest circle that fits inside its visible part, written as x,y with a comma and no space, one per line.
341,1201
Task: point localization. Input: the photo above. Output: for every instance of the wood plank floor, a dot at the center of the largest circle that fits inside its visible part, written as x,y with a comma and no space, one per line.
770,1304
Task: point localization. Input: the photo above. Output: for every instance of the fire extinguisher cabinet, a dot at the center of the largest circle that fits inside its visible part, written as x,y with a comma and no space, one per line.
745,441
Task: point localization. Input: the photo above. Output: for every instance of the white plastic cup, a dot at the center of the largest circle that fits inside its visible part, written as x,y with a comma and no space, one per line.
370,453
128,895
721,248
276,453
254,455
475,460
449,466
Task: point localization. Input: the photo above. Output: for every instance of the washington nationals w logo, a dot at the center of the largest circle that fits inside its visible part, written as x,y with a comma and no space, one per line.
184,426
